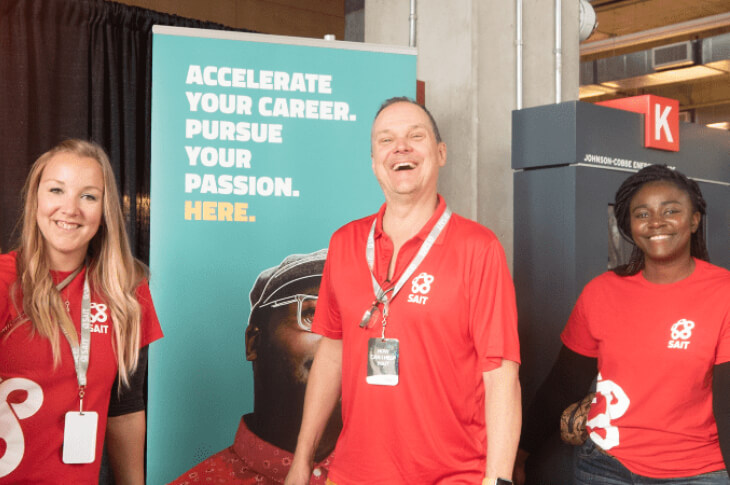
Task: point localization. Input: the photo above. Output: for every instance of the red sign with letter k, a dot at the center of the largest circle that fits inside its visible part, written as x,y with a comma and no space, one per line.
661,119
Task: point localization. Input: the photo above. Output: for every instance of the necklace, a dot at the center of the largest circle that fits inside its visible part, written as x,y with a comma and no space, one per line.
63,284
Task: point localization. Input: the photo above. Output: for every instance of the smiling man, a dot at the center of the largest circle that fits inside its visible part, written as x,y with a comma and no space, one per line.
417,313
281,346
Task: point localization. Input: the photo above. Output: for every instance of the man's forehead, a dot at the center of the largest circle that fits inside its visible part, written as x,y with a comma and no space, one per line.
401,116
395,125
401,110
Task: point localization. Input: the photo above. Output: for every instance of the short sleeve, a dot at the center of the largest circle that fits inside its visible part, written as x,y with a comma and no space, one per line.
151,329
4,306
7,277
493,310
577,333
722,354
327,320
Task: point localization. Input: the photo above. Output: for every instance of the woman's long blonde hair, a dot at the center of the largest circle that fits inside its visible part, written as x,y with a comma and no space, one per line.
113,272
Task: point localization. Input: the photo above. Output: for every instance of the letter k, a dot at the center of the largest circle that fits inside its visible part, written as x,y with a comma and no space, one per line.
660,122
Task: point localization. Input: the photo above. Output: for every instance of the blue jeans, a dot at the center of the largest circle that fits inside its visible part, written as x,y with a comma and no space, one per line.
594,467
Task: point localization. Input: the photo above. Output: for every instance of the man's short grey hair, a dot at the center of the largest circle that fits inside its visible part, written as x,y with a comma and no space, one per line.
406,99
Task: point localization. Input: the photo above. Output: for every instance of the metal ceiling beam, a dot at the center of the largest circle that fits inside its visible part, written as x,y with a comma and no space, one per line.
667,32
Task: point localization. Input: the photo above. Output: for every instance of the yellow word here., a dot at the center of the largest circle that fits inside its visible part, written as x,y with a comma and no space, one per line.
209,210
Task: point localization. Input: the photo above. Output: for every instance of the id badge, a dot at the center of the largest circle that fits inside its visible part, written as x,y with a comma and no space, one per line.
79,437
382,362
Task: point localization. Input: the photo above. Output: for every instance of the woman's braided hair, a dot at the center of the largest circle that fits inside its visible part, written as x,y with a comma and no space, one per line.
629,188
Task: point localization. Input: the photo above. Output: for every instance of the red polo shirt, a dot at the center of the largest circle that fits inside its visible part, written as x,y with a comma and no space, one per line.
455,319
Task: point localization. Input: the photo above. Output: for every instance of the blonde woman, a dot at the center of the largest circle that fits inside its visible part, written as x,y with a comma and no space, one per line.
76,317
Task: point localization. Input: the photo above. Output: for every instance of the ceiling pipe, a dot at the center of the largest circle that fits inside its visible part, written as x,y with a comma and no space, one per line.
412,22
518,56
558,50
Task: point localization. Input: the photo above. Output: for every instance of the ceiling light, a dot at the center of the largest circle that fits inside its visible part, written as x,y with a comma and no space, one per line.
722,125
664,77
594,90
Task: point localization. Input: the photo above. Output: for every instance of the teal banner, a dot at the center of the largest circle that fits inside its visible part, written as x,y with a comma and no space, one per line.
260,150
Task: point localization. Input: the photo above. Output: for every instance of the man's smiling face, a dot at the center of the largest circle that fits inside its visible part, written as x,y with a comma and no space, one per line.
405,154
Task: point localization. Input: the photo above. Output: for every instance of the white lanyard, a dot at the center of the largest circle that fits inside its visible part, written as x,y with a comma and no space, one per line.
381,296
82,351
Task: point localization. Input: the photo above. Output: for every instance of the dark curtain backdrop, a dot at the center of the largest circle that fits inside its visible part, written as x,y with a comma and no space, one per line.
81,69
78,69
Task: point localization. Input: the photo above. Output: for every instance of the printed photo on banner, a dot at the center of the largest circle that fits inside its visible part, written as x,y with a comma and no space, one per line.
260,151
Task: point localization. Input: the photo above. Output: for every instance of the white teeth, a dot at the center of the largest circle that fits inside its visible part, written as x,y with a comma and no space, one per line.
64,225
659,236
401,165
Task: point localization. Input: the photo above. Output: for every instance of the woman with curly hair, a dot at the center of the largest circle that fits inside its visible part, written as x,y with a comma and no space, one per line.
76,317
656,333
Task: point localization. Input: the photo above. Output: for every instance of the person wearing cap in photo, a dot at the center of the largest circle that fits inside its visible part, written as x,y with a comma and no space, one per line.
281,347
419,323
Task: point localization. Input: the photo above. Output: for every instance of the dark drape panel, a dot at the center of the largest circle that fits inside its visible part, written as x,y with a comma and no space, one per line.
78,69
82,69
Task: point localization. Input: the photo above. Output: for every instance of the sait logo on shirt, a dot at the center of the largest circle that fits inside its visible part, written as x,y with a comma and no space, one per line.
681,333
99,318
420,284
